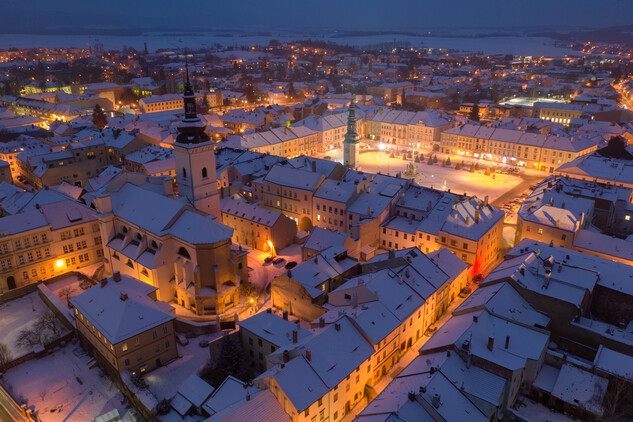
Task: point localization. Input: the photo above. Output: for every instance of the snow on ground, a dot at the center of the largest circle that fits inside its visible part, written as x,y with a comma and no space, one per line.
66,288
50,385
532,46
437,176
532,411
17,315
164,381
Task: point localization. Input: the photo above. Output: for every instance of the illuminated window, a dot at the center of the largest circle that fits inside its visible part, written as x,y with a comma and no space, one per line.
627,218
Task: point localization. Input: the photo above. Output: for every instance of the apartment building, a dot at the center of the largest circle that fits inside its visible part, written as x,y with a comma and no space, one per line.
256,227
432,219
520,147
403,128
121,322
47,241
161,103
287,142
290,191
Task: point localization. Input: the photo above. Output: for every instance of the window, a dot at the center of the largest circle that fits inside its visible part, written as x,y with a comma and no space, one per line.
563,237
43,237
259,342
154,334
335,399
47,252
527,228
307,412
540,231
465,245
165,329
21,259
127,362
124,347
167,344
627,218
184,173
27,243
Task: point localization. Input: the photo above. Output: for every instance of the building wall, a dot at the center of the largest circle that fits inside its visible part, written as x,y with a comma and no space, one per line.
544,233
44,253
151,348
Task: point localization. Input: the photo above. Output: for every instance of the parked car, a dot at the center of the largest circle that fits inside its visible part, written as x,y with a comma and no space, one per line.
477,278
278,261
268,260
182,339
203,343
291,265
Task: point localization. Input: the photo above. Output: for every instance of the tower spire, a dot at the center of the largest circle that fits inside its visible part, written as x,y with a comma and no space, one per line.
192,129
350,144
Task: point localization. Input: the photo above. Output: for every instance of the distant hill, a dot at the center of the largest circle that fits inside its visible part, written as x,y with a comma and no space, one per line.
612,34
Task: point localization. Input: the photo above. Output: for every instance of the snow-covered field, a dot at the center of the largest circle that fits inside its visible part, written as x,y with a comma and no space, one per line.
17,315
51,386
534,46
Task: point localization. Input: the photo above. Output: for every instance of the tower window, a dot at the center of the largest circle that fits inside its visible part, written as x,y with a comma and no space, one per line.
204,172
184,172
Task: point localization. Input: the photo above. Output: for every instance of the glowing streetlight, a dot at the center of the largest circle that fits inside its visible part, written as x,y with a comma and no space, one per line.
59,263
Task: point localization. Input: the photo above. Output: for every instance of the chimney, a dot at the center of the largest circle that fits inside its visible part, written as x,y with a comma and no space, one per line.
286,356
507,341
316,259
104,281
295,334
337,326
422,389
522,270
475,318
285,315
123,296
321,322
309,355
411,395
436,400
485,200
313,166
491,343
477,215
407,273
117,276
269,311
248,396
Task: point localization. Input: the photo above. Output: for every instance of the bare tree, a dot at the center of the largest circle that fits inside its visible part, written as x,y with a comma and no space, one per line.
618,395
5,356
67,292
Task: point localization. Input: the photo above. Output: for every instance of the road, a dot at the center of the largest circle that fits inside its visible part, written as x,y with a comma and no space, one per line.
9,410
527,181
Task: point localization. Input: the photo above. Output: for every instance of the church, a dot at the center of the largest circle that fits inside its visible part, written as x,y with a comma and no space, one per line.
174,242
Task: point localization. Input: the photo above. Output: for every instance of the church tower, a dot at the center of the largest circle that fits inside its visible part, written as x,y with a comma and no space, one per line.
195,160
350,144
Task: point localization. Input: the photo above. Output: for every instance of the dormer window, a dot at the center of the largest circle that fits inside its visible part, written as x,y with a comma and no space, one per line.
183,252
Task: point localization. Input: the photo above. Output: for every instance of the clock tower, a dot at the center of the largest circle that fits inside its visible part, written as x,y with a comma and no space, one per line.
195,159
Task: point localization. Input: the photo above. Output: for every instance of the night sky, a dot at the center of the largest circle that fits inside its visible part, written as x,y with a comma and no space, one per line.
28,16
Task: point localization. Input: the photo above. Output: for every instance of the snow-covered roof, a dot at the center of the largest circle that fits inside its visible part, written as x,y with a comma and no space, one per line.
273,328
250,212
503,300
115,316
